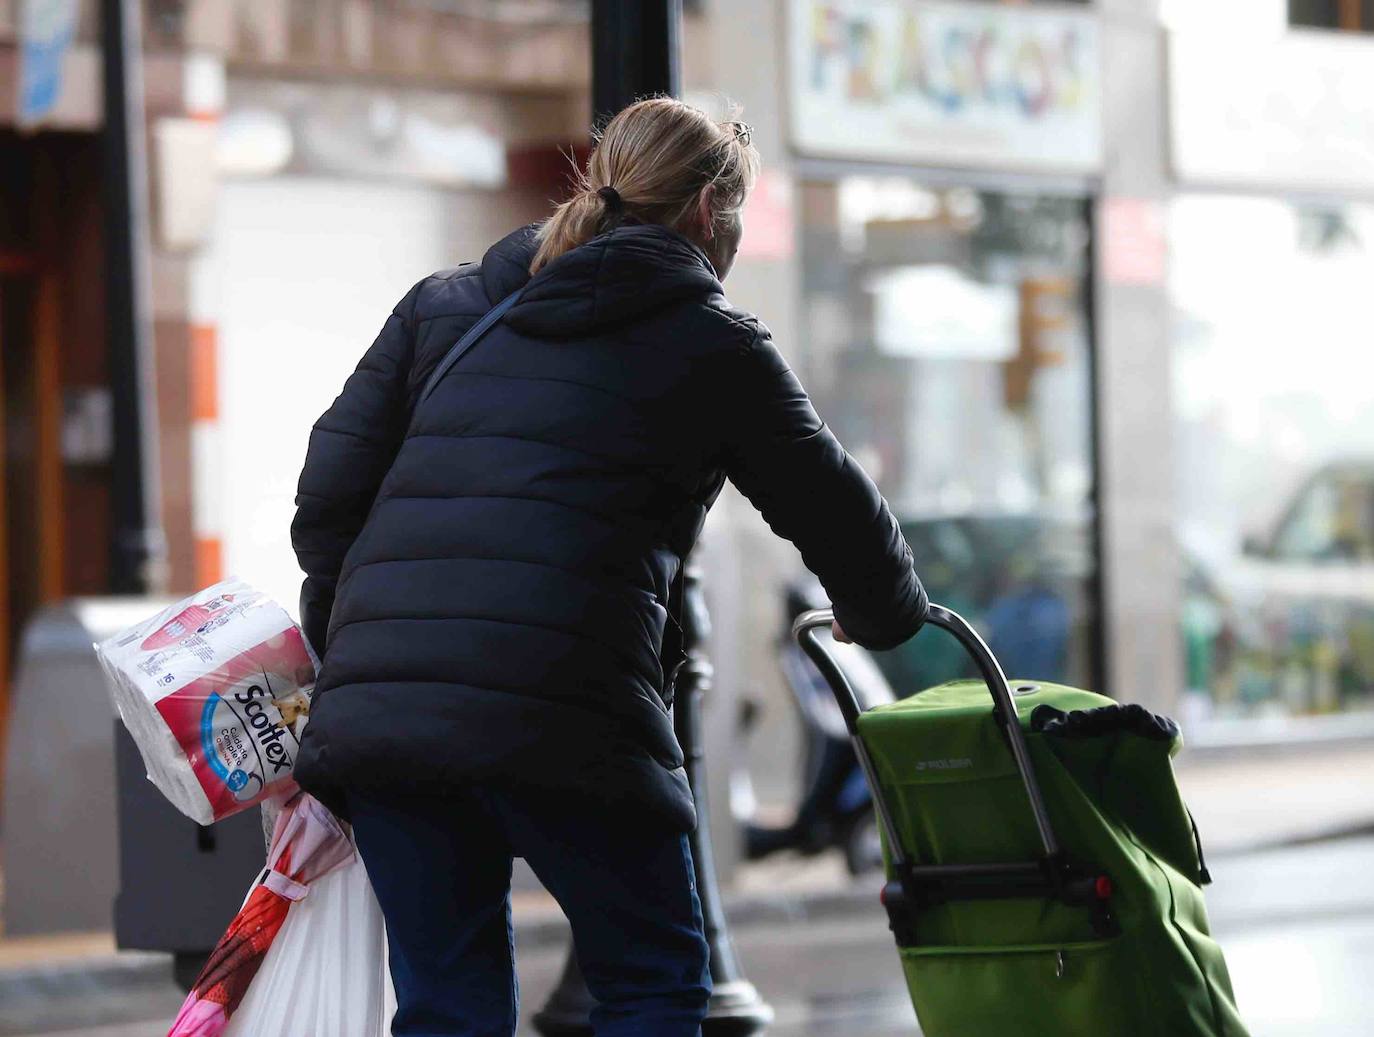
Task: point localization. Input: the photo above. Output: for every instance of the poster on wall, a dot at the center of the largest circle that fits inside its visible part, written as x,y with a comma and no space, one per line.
46,30
939,83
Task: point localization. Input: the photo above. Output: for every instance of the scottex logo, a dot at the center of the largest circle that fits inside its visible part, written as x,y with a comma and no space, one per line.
268,733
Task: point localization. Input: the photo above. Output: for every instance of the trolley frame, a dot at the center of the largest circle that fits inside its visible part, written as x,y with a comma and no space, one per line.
913,884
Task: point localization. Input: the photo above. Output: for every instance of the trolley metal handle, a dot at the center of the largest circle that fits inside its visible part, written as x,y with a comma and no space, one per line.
1004,709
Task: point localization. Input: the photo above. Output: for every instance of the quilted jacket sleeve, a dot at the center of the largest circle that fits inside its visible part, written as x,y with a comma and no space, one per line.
782,457
352,446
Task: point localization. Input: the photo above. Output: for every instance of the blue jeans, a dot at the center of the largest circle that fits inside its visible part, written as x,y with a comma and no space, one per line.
441,869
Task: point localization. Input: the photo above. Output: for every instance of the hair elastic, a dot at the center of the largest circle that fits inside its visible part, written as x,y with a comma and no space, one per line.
614,203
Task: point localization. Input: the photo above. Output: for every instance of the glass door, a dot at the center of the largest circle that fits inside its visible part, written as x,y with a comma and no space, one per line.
948,344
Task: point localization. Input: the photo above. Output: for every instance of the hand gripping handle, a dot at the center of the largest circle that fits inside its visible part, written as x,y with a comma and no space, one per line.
806,629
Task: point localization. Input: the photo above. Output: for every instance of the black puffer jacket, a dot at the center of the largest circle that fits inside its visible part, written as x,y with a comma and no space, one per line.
488,579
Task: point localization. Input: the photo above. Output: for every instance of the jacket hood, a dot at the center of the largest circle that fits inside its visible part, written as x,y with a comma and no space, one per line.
613,278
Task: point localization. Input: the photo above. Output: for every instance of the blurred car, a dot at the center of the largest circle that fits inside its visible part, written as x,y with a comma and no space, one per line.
1309,582
1287,628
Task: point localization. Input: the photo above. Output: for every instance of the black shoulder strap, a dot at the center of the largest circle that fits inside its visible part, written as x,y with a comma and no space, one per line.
474,334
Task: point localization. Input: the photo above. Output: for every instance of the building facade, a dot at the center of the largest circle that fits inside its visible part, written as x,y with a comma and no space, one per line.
306,163
1076,283
1271,152
1079,283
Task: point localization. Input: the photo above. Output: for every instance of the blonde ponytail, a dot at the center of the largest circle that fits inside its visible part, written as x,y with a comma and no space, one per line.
657,155
573,223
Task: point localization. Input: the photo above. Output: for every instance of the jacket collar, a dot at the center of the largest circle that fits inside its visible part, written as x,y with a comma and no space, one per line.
616,276
506,265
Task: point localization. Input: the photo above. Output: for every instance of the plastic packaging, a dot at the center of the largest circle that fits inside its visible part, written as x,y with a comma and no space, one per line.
215,691
326,971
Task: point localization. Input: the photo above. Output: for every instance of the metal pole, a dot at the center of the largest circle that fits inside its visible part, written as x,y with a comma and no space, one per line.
137,549
735,1007
634,54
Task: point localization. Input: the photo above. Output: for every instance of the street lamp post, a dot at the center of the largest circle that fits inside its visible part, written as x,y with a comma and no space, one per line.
137,547
735,1007
635,53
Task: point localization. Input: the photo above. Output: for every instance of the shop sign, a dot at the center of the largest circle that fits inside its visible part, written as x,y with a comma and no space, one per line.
46,29
1294,111
963,84
1133,245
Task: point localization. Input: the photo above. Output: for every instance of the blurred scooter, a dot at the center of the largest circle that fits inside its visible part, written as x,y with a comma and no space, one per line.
836,809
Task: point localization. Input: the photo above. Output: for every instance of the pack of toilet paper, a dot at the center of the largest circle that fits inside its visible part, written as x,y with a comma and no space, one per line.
215,691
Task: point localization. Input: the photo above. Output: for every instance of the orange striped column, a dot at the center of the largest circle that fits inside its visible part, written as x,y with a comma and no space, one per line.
206,466
204,86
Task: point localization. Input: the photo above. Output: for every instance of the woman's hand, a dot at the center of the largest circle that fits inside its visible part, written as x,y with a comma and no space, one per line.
839,633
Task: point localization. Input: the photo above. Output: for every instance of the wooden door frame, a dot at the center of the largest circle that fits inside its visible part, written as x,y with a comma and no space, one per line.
39,265
47,382
4,549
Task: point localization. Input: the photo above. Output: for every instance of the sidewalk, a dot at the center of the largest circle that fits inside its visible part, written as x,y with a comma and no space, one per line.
1242,803
1247,801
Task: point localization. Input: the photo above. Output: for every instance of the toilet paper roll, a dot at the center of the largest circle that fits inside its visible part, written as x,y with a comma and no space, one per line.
215,692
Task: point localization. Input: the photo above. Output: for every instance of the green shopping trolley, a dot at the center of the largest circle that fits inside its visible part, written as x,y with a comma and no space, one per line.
1043,874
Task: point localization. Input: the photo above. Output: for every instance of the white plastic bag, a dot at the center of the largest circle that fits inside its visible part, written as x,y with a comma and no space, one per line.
214,690
326,972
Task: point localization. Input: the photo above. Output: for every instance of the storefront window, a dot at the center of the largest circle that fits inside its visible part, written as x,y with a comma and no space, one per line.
949,346
1274,432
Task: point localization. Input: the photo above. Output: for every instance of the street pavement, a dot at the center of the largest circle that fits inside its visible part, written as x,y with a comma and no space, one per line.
1297,925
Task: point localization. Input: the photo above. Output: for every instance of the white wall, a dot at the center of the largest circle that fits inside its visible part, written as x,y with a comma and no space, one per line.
308,269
